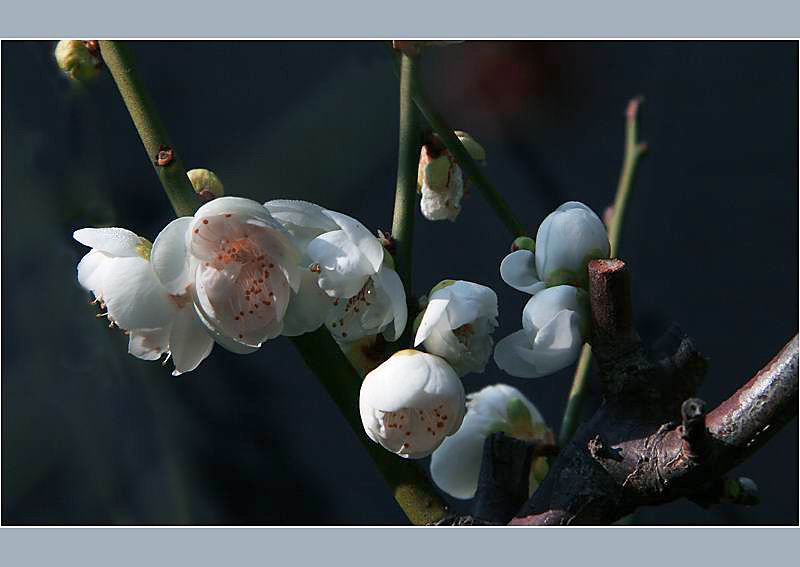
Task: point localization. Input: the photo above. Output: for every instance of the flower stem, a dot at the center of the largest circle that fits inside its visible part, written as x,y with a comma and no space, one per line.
468,165
172,174
413,492
634,149
407,163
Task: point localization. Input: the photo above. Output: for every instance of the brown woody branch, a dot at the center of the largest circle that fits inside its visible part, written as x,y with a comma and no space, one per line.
651,442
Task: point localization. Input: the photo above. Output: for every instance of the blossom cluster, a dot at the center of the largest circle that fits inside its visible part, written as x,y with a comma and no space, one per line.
239,273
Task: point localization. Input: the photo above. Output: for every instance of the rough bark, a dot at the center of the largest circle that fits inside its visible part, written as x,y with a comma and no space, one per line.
651,441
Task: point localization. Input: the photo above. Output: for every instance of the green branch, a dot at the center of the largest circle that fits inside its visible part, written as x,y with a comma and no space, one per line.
633,151
405,198
468,165
413,492
171,173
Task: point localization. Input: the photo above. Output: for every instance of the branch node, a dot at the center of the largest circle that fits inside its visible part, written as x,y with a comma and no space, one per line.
693,427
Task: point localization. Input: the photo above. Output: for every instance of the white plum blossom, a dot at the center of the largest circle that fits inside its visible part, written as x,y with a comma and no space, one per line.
456,464
440,180
309,307
554,329
457,324
411,402
244,267
358,276
158,315
566,241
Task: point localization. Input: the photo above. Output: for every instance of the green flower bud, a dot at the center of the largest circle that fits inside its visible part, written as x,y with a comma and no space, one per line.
76,60
523,243
206,184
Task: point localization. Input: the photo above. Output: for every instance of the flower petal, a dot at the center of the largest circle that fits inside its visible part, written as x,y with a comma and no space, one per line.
92,270
508,358
149,344
542,307
456,464
304,221
114,241
361,237
468,301
169,256
221,339
518,270
308,309
388,279
411,378
133,295
434,312
566,237
344,269
189,342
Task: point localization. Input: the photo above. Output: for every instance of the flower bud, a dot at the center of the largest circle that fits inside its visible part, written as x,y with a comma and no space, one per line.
439,177
456,464
76,60
457,324
555,324
523,243
567,240
206,184
411,402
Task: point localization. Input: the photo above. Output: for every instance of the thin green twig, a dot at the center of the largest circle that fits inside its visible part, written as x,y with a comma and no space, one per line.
633,151
413,492
171,172
407,161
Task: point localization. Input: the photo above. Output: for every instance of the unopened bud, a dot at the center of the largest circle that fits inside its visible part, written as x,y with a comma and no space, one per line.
77,60
523,243
206,184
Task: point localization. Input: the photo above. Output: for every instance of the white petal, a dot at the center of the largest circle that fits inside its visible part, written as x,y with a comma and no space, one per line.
363,239
238,206
114,241
170,258
304,221
518,270
566,237
189,342
468,302
389,281
507,355
344,269
92,270
133,295
308,309
543,306
434,312
149,344
555,346
456,464
492,403
411,379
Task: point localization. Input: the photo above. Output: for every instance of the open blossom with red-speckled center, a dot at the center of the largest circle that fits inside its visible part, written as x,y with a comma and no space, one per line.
245,268
411,402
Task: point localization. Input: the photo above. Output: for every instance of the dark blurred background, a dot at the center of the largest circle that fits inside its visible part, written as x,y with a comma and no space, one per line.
91,435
